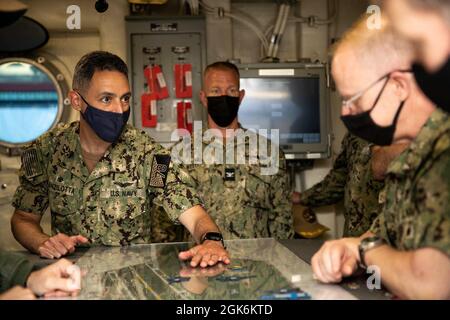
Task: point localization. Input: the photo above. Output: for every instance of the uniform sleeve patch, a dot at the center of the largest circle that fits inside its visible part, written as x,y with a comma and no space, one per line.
31,163
160,168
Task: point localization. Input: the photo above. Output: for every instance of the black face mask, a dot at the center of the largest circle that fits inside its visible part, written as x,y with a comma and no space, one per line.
363,126
223,110
107,125
435,85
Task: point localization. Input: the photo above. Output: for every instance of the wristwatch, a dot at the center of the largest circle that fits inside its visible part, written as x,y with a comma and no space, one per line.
367,244
215,236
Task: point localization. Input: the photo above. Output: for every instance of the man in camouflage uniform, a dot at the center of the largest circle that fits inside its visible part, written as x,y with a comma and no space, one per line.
101,177
425,169
409,243
242,201
352,180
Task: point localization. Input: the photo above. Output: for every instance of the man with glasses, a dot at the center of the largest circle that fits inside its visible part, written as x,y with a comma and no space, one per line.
409,243
243,202
101,177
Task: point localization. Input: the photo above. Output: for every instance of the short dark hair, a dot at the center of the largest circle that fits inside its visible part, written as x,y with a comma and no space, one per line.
223,65
96,61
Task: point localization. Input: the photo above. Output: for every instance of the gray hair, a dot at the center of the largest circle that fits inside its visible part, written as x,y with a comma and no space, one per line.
380,49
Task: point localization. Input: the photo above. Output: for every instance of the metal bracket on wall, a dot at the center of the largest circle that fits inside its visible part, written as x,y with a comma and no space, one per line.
180,49
151,50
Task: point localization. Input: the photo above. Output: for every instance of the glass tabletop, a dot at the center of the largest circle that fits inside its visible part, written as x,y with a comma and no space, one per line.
260,269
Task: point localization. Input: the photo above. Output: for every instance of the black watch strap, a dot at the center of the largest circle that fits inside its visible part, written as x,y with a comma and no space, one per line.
215,236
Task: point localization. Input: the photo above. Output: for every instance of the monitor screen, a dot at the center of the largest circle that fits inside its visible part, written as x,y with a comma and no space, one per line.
290,104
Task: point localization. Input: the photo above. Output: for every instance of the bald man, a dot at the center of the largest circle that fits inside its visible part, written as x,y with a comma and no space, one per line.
409,242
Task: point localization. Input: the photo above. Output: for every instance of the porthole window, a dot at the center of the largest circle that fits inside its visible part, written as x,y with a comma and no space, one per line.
32,99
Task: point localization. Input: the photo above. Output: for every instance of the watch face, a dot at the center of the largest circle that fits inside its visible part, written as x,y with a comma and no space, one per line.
213,236
369,241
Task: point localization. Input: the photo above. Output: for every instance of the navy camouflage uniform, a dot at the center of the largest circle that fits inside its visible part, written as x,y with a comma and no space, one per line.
351,180
112,204
416,200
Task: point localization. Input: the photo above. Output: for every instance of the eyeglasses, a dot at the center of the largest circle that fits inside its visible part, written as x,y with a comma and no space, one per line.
348,102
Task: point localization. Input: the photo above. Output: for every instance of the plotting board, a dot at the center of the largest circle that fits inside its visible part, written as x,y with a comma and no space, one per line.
260,269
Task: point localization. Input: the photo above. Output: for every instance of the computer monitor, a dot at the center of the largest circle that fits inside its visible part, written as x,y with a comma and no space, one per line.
292,98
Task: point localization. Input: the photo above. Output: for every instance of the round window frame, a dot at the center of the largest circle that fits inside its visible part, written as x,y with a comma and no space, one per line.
61,86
